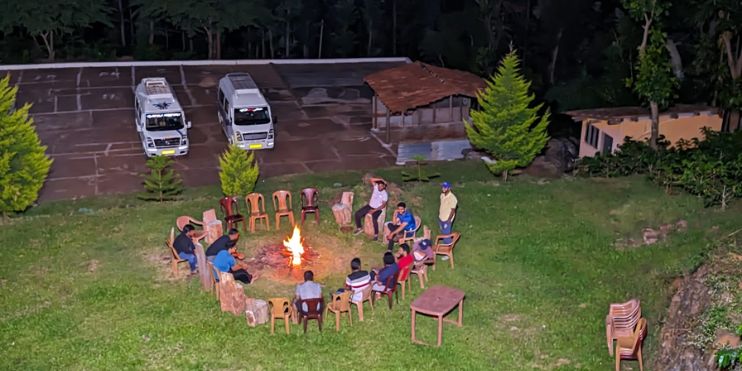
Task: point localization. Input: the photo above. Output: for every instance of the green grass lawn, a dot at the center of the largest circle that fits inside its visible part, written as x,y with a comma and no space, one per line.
81,290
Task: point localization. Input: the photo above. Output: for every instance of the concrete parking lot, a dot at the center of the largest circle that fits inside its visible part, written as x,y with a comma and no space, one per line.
85,117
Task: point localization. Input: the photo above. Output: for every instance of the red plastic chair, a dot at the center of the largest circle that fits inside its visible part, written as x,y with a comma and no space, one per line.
313,311
390,288
230,208
309,203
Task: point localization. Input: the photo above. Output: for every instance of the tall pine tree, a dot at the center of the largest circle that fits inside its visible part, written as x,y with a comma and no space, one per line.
505,126
238,171
162,183
24,164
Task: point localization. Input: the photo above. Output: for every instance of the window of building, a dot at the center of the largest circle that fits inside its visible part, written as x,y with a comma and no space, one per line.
607,144
591,135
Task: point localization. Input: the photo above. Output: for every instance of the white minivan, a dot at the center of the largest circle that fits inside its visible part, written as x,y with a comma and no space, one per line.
244,114
160,120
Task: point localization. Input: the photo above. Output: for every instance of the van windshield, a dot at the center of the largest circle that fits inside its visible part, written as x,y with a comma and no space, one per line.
251,116
164,121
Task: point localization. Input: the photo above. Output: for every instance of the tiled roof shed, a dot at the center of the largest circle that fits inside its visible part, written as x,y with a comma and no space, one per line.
418,84
615,115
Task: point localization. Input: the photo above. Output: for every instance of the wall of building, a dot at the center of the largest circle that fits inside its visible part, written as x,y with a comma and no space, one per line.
685,126
444,113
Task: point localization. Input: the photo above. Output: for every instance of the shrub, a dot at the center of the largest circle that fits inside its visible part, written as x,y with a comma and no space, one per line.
162,183
709,168
24,164
238,171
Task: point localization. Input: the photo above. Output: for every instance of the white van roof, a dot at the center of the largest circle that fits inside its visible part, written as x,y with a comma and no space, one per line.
155,95
244,92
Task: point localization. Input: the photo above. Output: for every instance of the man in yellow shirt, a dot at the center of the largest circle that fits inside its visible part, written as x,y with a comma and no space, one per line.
447,211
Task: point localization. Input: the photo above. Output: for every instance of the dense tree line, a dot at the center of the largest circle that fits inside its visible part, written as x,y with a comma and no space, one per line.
578,53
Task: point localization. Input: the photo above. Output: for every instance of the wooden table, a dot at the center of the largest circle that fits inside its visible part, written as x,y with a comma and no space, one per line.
437,301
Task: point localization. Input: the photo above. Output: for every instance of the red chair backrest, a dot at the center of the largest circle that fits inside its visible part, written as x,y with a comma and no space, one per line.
309,198
314,307
229,205
391,283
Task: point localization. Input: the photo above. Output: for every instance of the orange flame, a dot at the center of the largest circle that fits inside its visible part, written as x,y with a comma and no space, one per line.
294,245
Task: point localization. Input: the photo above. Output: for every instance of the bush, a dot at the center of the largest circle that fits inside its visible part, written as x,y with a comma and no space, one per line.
709,168
238,171
162,183
24,164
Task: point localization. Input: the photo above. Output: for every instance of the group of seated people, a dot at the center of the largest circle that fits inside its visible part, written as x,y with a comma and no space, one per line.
222,253
359,280
402,222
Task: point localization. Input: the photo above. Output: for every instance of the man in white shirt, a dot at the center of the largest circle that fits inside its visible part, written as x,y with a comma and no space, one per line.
375,205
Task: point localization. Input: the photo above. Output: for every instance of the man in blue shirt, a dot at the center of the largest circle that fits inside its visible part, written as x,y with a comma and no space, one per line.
225,262
389,270
402,222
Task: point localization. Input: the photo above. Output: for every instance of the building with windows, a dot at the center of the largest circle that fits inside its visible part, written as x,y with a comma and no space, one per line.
419,96
604,129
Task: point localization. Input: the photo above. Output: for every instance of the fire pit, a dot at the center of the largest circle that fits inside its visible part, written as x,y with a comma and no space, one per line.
287,260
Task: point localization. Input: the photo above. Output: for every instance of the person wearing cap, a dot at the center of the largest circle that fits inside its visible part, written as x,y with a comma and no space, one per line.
447,210
376,204
422,250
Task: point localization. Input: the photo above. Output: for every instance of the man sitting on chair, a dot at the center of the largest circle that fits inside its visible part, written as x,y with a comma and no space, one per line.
375,205
307,290
223,243
390,268
184,245
402,222
357,280
422,250
225,262
404,259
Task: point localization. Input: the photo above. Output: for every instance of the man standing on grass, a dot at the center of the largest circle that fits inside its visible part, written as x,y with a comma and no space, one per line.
379,198
447,210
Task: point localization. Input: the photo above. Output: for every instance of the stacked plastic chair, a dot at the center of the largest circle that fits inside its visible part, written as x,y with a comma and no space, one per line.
621,321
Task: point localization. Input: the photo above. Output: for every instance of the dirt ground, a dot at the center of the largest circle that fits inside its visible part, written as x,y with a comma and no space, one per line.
85,117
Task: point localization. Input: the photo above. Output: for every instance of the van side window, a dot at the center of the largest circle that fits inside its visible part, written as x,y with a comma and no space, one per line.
220,97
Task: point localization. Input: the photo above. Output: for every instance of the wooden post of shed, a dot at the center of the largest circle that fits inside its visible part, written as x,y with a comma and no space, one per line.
434,111
461,110
450,107
388,128
374,123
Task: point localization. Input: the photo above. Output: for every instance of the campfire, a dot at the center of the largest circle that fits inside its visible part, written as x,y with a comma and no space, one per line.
286,260
295,246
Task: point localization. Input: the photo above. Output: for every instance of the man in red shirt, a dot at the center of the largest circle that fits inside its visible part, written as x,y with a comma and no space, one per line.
404,259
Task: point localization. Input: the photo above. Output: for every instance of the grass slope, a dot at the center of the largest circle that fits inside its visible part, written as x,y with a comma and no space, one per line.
80,289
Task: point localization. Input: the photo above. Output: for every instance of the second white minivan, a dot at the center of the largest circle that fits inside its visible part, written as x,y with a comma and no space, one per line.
244,113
